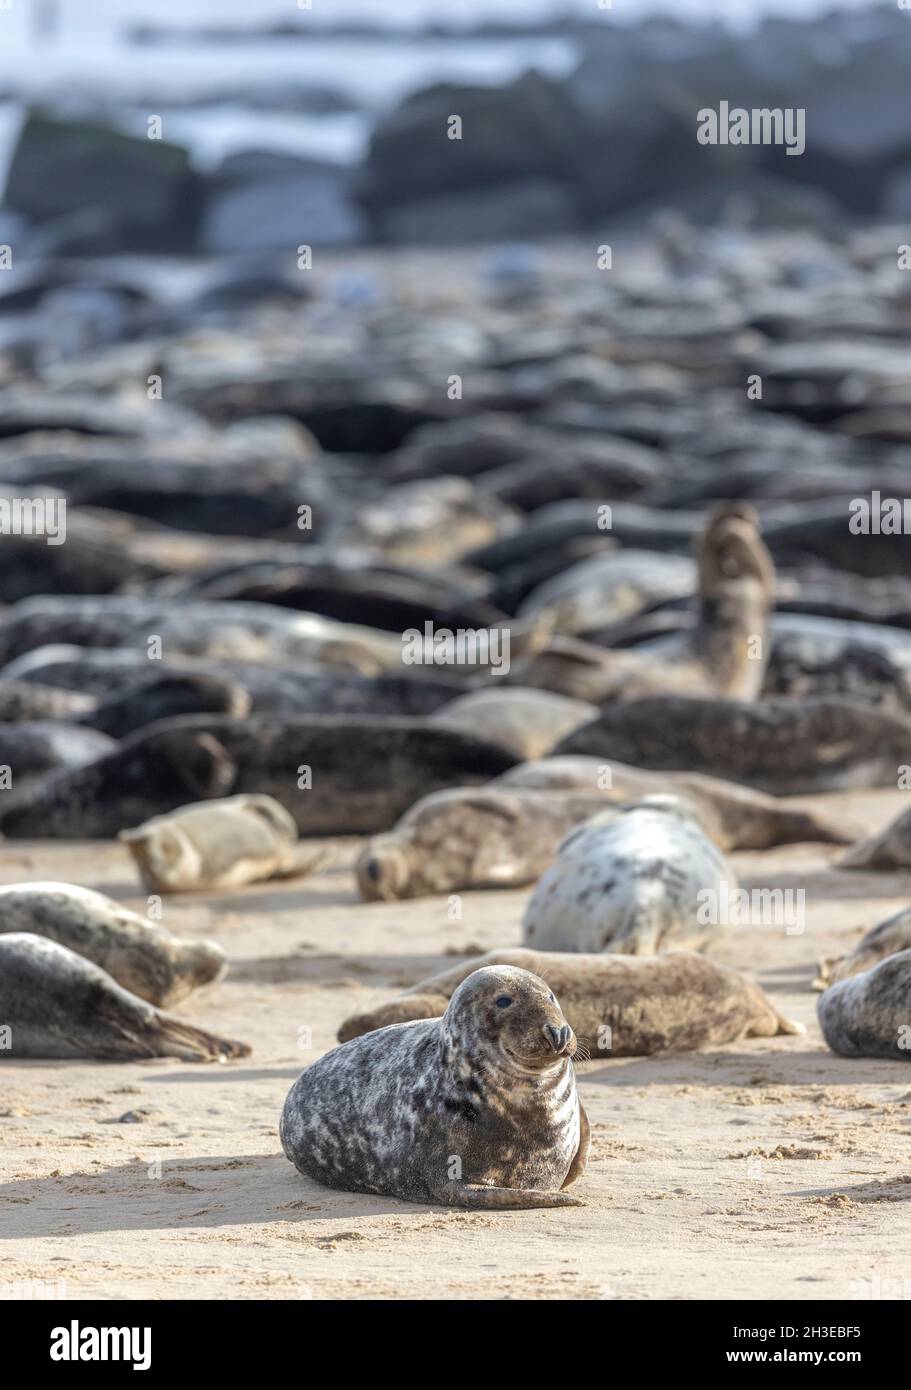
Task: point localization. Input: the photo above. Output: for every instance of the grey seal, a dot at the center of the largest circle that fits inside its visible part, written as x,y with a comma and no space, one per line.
885,939
363,773
632,885
890,849
525,722
57,1004
216,845
142,956
779,746
477,1109
470,838
618,1006
869,1015
736,817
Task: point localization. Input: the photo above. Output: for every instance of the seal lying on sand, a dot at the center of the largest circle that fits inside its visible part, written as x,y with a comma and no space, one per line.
165,696
470,837
217,844
525,722
26,701
57,1004
141,956
890,849
780,746
364,773
726,652
621,1006
632,885
869,1015
478,1109
885,939
736,817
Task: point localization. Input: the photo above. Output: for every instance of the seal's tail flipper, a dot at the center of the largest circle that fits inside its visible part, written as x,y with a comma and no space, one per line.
403,1010
174,1038
481,1198
789,1026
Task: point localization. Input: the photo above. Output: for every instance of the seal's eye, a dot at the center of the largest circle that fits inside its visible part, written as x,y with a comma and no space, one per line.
503,1002
552,999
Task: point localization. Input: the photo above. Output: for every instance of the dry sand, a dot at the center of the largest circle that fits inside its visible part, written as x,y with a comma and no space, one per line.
763,1169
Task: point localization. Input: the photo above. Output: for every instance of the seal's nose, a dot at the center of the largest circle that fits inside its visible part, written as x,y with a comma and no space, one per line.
557,1037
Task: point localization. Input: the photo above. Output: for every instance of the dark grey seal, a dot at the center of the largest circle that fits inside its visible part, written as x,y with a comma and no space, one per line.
779,746
363,773
56,1004
476,1109
869,1015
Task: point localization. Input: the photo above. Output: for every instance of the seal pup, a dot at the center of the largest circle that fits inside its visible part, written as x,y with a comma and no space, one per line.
868,1014
632,885
890,849
525,722
217,844
470,838
477,1109
885,939
783,747
724,654
364,773
736,817
617,1006
142,956
57,1004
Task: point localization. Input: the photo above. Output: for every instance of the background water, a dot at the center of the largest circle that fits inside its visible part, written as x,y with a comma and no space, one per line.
82,58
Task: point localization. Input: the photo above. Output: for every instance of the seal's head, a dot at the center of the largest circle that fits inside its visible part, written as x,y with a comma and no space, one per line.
731,553
382,870
511,1017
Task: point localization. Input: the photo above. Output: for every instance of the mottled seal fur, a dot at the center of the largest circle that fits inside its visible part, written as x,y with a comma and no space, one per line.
476,1109
32,751
57,1004
470,837
885,939
140,955
736,817
779,746
869,1015
364,773
216,845
525,722
26,701
618,1006
631,885
890,849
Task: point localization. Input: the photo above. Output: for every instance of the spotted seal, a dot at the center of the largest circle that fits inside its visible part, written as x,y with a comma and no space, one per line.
140,955
869,1015
217,844
57,1004
632,885
618,1006
477,1109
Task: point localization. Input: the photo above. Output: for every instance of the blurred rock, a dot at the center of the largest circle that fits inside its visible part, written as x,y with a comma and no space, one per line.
266,201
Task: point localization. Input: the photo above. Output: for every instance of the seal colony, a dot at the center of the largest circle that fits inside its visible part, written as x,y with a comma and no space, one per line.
581,631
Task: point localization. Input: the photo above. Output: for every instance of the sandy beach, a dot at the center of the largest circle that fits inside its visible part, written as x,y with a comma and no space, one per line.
762,1169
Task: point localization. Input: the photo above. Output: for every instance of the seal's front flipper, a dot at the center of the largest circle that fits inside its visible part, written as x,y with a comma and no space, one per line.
481,1198
403,1010
577,1167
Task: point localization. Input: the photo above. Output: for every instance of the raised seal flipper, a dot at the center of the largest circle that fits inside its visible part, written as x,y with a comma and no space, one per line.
481,1198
